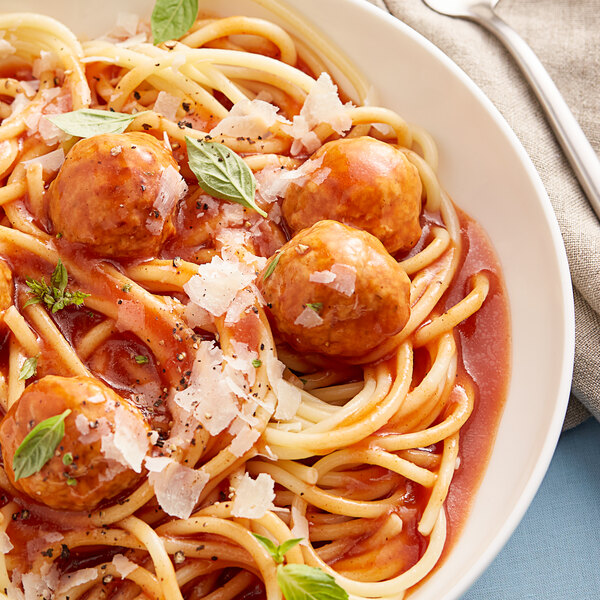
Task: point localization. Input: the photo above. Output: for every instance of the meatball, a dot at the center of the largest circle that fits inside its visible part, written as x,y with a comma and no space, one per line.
116,193
335,290
100,454
364,183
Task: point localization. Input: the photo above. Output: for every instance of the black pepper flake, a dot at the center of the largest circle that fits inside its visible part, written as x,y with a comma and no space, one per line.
65,553
136,95
48,552
146,126
185,106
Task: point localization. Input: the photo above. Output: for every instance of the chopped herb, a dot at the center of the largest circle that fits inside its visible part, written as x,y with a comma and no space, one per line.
71,481
29,368
316,306
39,445
67,459
257,363
59,235
126,287
269,270
55,296
140,359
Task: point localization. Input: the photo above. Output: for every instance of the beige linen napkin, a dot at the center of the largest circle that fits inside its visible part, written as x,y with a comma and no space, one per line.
565,34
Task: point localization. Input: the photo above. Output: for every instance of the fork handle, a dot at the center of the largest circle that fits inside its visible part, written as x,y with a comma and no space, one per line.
573,141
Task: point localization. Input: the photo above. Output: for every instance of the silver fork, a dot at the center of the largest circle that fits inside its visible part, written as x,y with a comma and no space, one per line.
573,141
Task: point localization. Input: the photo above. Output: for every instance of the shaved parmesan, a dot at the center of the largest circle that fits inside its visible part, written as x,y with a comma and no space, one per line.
217,283
166,105
322,105
177,488
253,497
288,395
300,526
50,162
209,397
6,49
247,118
172,188
72,580
273,182
322,277
123,565
131,316
46,62
244,439
129,443
5,543
308,318
345,279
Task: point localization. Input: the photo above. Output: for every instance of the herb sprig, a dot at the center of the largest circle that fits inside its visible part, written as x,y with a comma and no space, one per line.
301,582
54,296
87,122
172,18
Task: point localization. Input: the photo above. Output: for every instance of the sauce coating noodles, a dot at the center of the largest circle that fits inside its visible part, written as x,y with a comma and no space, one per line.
310,374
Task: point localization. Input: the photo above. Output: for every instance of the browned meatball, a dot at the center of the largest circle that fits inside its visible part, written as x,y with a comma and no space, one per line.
364,183
336,290
116,193
100,425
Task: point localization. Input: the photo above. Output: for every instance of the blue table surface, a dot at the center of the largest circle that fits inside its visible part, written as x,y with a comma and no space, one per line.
554,554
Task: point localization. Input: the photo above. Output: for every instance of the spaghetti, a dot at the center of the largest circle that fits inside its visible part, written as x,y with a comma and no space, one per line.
197,409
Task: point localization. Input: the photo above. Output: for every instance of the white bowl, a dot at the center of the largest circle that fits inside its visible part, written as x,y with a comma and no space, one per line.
488,173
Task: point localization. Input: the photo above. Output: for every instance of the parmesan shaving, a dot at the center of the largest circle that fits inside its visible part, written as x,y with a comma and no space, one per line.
308,318
322,277
288,395
172,188
345,279
300,526
177,488
50,162
253,497
123,565
217,283
247,118
166,105
5,543
74,580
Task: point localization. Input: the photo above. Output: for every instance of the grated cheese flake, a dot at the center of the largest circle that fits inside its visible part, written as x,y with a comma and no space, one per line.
345,279
5,543
247,118
177,487
308,318
322,276
166,105
50,162
253,497
123,565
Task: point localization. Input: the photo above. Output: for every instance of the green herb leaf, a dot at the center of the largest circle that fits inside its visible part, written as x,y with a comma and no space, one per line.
59,278
316,306
257,363
140,359
269,270
71,481
29,368
172,18
301,582
55,296
39,445
277,552
67,459
87,122
222,173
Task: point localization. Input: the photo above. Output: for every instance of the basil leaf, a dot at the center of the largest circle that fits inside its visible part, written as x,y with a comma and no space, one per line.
277,552
301,582
88,122
222,173
39,445
267,543
271,267
29,368
172,18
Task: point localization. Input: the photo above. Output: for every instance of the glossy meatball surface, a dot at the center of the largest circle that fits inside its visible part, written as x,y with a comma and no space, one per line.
116,193
88,465
364,183
335,290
